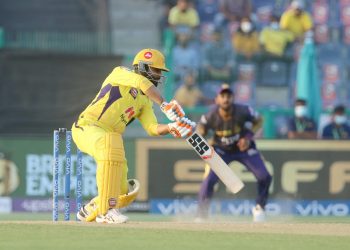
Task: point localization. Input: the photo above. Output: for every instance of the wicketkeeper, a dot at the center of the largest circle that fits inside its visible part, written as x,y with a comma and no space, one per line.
125,95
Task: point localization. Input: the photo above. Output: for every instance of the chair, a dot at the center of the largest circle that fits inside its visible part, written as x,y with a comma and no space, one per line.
320,11
321,34
244,92
346,35
207,9
331,52
274,73
345,14
330,94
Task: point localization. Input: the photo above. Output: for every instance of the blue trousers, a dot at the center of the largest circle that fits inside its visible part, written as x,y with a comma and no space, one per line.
253,162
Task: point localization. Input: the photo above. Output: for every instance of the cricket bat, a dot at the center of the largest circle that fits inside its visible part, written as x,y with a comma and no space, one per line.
220,168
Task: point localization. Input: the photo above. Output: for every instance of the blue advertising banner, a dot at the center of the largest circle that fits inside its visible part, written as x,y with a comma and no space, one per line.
239,207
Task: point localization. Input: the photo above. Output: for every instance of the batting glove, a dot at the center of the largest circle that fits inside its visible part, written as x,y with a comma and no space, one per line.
183,127
172,110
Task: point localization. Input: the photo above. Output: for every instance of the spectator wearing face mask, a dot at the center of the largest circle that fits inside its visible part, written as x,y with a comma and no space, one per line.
338,128
246,40
301,126
296,20
274,40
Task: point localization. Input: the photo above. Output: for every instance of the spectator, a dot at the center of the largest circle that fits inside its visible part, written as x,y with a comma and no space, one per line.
337,129
301,126
296,20
183,17
218,59
188,94
185,57
232,11
246,40
274,40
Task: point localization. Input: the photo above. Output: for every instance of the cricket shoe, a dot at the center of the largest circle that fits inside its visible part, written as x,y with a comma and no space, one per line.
200,220
258,214
86,210
113,216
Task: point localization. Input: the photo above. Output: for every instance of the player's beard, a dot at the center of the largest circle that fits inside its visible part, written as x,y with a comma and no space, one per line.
226,106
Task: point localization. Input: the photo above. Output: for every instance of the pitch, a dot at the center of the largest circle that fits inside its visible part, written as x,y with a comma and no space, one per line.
30,231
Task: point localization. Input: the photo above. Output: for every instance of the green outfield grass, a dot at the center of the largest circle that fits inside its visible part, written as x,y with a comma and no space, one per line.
144,231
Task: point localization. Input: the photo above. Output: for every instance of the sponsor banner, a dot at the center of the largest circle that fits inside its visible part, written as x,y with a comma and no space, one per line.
5,205
140,207
39,175
302,170
239,207
26,165
45,205
39,205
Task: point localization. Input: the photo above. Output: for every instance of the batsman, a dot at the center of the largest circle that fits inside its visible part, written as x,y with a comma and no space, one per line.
124,95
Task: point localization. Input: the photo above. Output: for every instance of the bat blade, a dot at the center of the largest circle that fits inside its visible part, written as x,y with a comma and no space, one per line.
220,168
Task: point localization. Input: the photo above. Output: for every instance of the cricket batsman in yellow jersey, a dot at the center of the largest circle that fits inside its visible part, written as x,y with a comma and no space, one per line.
124,95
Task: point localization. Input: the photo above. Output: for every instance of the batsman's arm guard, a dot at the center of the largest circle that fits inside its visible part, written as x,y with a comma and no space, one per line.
133,190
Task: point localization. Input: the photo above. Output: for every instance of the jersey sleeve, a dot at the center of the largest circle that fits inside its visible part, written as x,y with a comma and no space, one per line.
307,22
251,122
205,121
148,120
172,18
284,20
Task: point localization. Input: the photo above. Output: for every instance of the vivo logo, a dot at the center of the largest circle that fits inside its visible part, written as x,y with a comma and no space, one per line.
176,207
315,208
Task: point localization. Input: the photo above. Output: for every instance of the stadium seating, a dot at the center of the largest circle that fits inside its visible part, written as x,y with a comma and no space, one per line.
274,73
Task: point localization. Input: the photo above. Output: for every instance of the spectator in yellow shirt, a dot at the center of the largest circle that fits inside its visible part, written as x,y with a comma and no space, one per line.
296,20
183,17
246,40
189,94
274,40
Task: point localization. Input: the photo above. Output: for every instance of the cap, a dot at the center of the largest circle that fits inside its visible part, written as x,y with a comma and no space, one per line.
225,88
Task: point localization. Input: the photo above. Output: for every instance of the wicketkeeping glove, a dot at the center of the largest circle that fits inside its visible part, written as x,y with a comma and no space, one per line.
181,128
172,110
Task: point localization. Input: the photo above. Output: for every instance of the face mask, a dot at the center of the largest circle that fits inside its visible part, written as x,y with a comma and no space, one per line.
274,26
340,119
300,111
246,27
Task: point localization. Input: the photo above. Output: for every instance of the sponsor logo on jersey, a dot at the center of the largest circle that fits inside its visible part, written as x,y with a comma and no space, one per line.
148,55
133,92
129,112
112,202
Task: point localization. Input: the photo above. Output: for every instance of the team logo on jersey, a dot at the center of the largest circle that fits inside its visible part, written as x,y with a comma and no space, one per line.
129,112
133,92
148,55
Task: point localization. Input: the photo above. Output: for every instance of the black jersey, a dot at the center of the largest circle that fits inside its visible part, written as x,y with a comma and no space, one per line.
227,133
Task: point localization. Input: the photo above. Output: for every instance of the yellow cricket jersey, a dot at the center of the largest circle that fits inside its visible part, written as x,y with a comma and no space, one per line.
189,18
298,25
119,101
275,41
